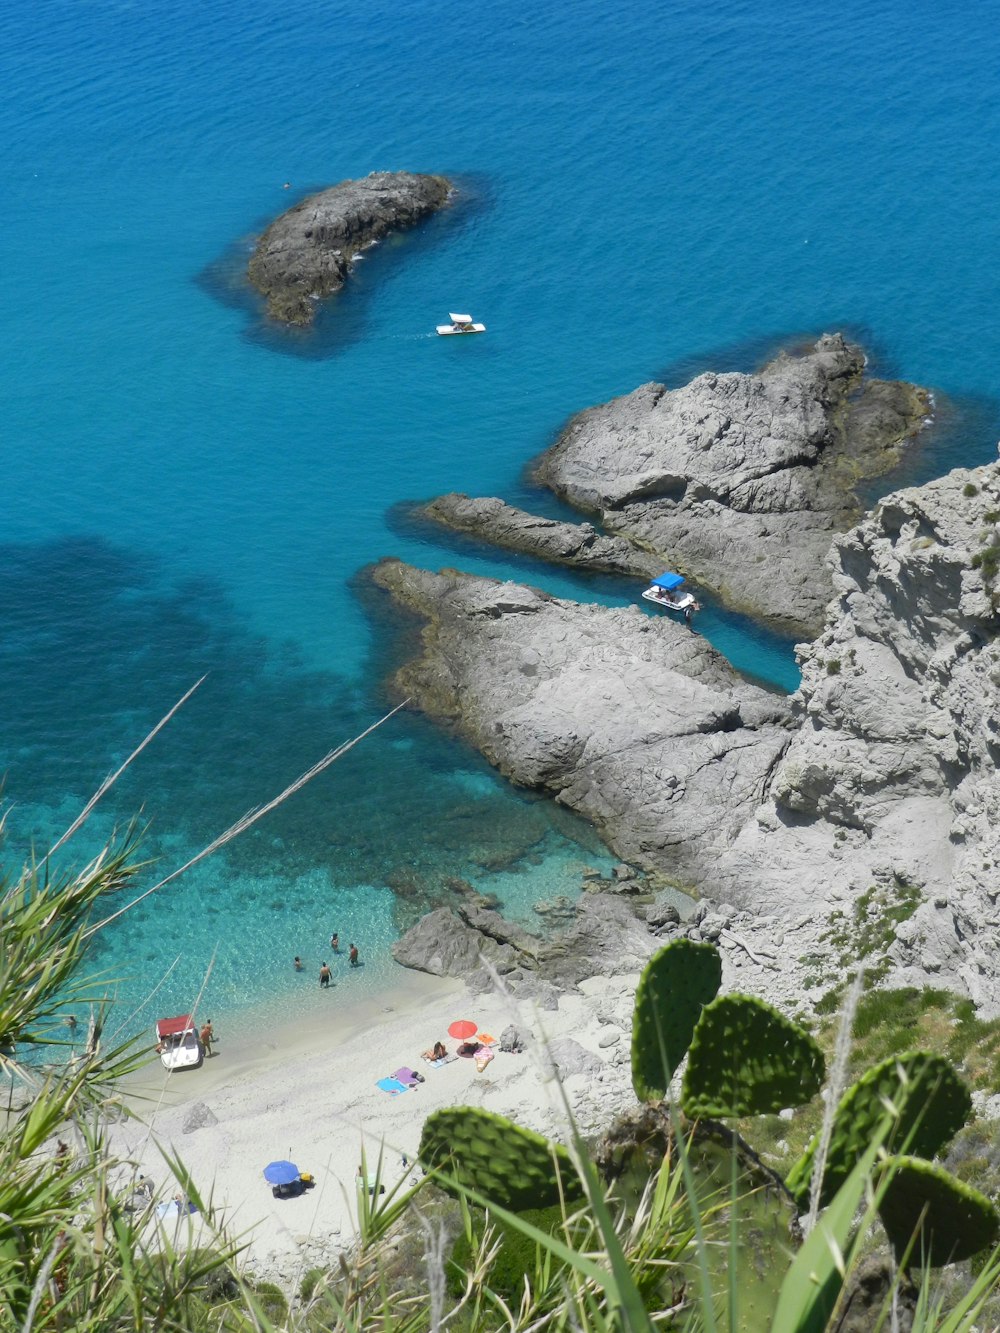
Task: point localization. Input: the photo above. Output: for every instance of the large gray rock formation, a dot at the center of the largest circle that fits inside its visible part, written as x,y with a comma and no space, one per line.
741,481
635,722
307,253
577,544
879,776
892,778
607,938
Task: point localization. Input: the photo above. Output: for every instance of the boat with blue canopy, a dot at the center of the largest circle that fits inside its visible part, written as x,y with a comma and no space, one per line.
667,591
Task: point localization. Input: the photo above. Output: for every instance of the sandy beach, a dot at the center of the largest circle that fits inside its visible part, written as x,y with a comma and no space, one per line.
308,1093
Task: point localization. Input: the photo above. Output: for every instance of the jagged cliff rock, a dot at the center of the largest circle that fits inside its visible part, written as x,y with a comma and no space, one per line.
577,544
886,783
741,481
635,722
307,252
891,778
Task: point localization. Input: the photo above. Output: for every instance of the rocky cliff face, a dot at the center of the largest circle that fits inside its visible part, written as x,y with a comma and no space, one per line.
879,776
741,481
307,252
891,778
635,722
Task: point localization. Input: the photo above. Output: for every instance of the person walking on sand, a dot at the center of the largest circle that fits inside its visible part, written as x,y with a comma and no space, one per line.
324,976
353,955
206,1036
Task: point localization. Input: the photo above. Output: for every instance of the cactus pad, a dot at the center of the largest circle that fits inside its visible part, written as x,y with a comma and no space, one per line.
956,1221
932,1101
513,1167
675,985
747,1059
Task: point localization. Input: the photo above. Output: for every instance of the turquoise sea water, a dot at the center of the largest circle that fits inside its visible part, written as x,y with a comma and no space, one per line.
647,191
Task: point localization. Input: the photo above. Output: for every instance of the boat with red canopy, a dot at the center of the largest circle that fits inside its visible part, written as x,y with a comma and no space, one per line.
177,1043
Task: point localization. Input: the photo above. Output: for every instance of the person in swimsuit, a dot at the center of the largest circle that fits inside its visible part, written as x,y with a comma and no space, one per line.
324,976
207,1036
353,955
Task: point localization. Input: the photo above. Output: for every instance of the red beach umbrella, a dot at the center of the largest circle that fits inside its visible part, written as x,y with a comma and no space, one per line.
462,1029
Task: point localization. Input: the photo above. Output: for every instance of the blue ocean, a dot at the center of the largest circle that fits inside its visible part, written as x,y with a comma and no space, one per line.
646,191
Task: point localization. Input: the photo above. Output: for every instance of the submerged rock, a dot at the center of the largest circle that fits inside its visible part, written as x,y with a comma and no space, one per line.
741,481
307,253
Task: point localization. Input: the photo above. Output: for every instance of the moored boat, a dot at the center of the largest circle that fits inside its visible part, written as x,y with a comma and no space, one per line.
460,324
667,591
177,1043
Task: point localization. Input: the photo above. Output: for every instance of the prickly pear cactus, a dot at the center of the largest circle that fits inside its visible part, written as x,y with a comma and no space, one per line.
513,1167
955,1220
932,1104
675,985
747,1059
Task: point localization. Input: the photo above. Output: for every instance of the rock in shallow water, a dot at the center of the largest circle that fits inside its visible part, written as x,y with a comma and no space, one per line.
636,723
741,481
577,544
307,252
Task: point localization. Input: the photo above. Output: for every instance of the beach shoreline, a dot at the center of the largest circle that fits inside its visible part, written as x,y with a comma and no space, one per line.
255,1044
307,1091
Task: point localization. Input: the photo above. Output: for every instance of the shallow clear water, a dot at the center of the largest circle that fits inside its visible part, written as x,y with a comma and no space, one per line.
646,192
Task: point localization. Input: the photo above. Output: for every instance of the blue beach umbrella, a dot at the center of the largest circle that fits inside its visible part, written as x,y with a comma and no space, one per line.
281,1173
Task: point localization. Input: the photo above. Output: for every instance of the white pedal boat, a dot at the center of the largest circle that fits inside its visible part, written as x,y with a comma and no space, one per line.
177,1043
460,324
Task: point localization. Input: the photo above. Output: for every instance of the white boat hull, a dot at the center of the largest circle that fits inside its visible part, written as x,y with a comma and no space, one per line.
446,330
668,603
185,1054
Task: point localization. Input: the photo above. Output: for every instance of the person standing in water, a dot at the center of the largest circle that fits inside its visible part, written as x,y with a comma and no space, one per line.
324,976
353,955
335,942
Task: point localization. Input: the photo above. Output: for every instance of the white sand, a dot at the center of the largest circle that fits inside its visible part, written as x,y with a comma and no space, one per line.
308,1094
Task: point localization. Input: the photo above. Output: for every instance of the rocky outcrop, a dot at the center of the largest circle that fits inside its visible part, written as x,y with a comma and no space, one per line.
635,722
607,938
891,780
862,815
741,481
577,544
307,253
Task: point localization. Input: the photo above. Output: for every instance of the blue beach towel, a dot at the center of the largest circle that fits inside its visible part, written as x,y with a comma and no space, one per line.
392,1086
